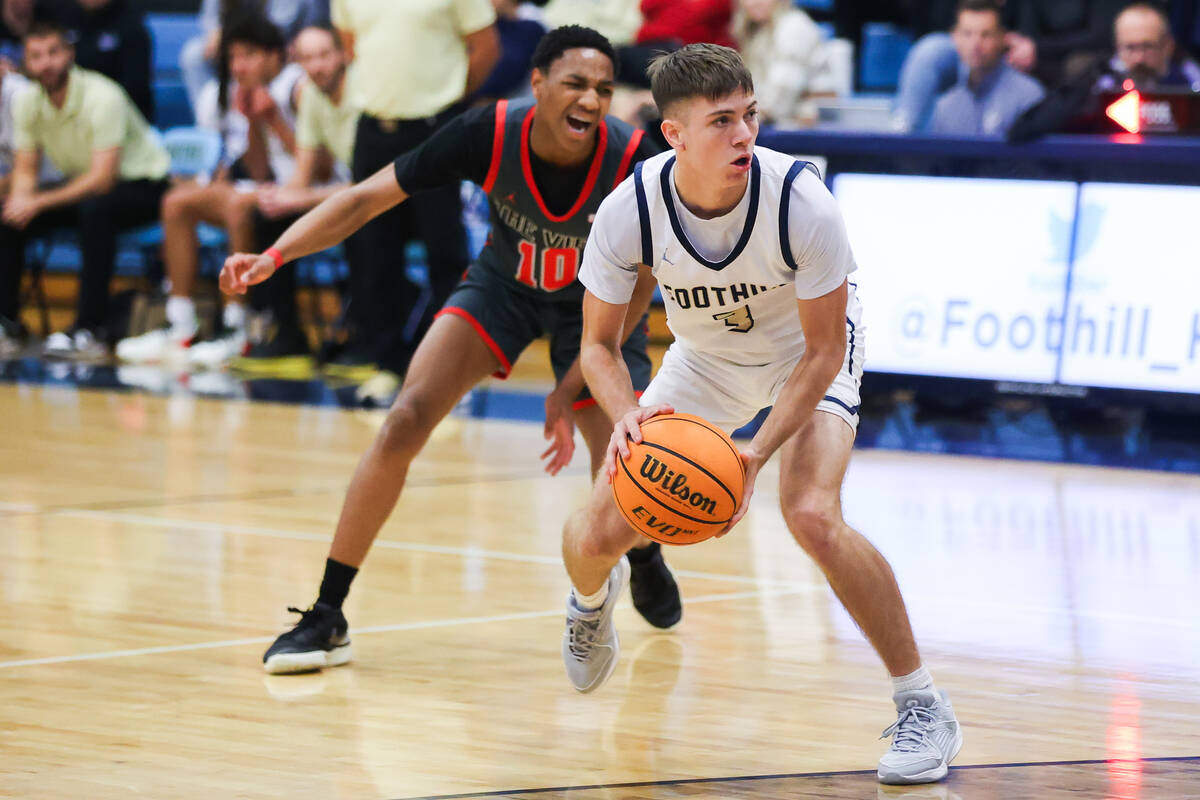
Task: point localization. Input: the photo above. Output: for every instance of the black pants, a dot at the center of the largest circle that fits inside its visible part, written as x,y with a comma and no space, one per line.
98,219
391,311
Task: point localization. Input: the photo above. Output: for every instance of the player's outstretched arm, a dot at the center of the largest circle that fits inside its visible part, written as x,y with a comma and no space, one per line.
323,227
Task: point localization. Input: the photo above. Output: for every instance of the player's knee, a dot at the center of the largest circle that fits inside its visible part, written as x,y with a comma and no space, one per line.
602,532
816,524
599,543
405,430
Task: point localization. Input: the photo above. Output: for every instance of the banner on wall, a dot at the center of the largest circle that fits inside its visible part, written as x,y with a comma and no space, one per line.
1031,281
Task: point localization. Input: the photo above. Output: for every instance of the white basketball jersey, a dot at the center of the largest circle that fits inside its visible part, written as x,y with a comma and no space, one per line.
790,243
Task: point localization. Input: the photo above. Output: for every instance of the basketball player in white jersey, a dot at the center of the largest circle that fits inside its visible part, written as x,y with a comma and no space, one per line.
751,254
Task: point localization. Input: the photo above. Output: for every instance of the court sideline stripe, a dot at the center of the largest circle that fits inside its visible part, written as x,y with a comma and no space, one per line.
416,547
402,626
763,584
23,509
201,526
499,795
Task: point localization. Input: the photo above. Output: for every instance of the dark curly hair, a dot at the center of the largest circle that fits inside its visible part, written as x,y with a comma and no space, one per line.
569,37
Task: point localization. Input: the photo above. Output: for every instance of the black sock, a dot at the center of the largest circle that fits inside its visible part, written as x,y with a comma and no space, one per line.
336,583
642,555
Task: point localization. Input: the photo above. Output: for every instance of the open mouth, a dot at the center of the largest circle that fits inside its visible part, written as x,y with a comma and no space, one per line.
578,125
742,162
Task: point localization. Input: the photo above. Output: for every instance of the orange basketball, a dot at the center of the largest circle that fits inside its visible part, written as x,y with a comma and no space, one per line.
683,483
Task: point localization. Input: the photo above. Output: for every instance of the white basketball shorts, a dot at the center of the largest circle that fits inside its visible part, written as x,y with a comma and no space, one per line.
729,395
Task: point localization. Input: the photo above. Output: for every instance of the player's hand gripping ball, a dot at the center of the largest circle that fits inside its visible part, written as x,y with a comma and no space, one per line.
683,483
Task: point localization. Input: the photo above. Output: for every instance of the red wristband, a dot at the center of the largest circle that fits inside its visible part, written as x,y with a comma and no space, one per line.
275,255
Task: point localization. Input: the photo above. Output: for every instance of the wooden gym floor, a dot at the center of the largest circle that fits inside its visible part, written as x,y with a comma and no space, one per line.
149,547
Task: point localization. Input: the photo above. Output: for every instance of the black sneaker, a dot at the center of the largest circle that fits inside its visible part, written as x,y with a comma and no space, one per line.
655,593
320,639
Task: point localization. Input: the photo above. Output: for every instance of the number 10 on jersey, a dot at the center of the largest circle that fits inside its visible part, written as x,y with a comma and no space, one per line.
558,268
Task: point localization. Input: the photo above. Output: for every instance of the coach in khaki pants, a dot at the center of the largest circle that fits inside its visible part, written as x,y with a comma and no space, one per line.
414,62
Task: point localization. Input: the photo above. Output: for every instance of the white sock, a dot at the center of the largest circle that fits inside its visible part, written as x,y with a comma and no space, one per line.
234,316
914,681
590,602
181,315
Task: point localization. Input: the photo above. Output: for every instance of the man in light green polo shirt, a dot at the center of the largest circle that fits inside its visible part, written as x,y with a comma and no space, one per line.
325,123
415,63
115,167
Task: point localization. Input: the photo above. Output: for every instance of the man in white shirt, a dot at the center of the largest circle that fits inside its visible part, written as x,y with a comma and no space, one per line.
751,254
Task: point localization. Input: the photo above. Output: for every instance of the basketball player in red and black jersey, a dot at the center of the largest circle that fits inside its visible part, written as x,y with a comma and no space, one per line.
545,166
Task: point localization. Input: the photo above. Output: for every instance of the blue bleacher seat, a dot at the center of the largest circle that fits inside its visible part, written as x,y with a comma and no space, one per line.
168,33
171,105
815,5
884,47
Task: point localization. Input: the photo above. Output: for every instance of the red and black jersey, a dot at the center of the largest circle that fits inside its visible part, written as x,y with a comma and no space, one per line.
541,214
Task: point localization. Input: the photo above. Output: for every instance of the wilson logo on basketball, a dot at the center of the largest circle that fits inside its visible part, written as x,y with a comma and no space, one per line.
676,484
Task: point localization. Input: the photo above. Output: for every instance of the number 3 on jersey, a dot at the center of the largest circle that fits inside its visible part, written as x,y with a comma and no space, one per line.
559,267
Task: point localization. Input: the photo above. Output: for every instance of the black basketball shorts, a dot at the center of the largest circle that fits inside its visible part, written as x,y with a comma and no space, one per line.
508,319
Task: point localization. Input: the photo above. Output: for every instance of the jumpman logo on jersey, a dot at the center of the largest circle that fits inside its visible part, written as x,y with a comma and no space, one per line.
739,320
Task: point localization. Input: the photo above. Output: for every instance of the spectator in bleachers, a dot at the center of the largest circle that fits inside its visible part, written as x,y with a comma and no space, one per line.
1041,36
931,67
110,37
11,82
198,58
519,37
325,126
414,64
989,94
116,177
1145,56
617,20
789,57
674,23
259,146
1055,40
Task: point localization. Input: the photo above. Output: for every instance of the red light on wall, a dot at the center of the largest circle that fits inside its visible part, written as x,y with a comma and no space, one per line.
1127,112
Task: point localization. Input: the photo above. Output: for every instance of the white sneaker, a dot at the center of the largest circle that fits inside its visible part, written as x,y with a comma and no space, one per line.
925,739
590,646
9,345
88,346
59,345
81,343
379,390
219,352
155,347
